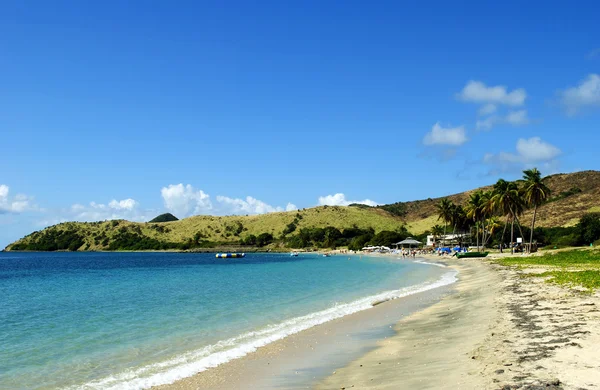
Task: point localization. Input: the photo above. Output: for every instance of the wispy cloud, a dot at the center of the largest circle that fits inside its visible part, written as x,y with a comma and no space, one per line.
339,199
452,136
492,100
184,200
513,118
15,204
250,205
478,92
586,95
529,152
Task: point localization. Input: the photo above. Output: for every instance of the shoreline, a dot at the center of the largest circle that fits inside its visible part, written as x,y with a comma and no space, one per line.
289,363
518,332
494,328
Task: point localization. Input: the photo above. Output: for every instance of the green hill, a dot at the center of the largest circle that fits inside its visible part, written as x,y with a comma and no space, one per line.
167,217
573,196
201,230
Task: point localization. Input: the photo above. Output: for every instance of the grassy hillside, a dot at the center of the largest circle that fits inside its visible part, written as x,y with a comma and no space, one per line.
573,195
204,229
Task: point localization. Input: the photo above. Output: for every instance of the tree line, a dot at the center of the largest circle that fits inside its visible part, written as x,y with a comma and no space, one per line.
494,211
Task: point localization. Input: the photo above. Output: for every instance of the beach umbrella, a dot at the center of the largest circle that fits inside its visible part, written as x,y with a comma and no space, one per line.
409,241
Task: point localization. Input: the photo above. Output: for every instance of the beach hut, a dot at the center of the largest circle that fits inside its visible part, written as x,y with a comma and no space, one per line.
409,241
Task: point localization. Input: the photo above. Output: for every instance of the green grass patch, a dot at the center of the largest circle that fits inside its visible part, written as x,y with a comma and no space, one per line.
589,279
567,259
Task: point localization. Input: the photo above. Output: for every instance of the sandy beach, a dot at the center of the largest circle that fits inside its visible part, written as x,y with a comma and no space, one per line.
499,331
493,329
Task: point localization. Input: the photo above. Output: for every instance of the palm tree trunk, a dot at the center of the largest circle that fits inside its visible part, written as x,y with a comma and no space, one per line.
477,237
503,233
519,226
483,235
444,240
532,227
512,234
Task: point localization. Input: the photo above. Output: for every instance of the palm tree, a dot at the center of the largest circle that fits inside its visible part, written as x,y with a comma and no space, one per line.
444,211
535,193
475,211
437,231
508,201
492,225
460,222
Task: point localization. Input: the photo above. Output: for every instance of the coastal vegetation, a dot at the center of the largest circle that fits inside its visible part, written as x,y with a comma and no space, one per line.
575,268
487,212
555,211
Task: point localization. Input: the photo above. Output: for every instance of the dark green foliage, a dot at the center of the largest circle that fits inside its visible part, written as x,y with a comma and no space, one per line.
133,241
355,232
197,237
566,194
167,217
359,242
290,228
296,242
397,208
160,228
52,240
234,229
332,237
250,240
359,205
387,238
588,228
264,239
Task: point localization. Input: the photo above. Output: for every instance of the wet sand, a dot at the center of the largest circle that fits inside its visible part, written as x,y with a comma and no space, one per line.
500,331
301,360
493,329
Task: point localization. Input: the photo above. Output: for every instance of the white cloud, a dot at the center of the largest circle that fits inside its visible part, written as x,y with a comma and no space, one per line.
513,118
339,199
445,136
585,95
478,92
17,204
184,200
248,206
125,204
115,209
291,207
528,152
488,109
536,150
517,118
488,123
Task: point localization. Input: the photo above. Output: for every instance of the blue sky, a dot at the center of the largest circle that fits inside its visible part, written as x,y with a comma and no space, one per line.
125,110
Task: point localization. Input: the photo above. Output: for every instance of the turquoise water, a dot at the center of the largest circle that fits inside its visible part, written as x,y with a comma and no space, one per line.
133,320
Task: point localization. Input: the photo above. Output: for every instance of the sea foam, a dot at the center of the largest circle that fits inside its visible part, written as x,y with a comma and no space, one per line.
194,362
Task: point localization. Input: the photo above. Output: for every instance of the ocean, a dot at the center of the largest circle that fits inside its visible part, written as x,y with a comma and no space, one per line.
135,320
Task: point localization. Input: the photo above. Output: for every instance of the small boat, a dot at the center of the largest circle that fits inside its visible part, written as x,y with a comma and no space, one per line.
471,254
294,254
229,255
326,255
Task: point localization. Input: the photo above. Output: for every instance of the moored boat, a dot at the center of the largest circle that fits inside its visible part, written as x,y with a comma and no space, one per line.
471,254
